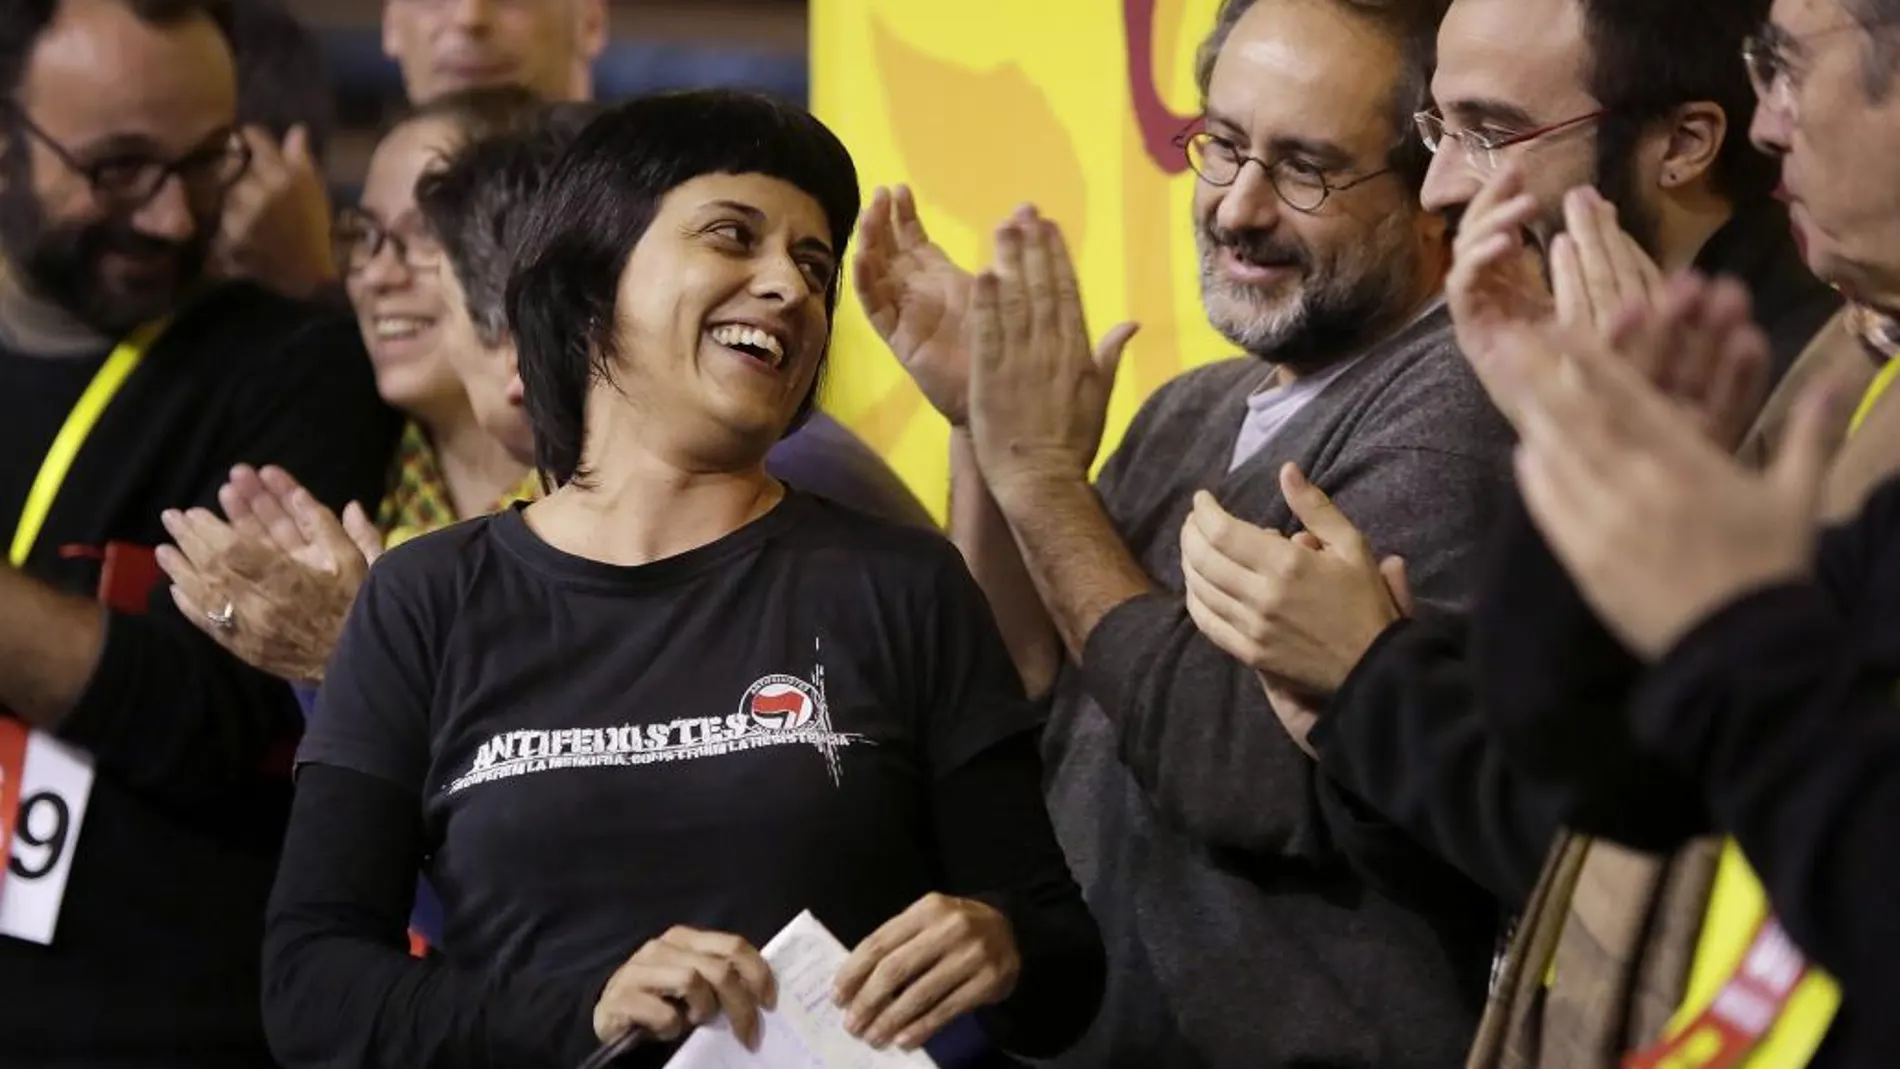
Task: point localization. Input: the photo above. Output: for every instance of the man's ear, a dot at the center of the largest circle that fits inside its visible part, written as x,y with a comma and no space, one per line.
1696,132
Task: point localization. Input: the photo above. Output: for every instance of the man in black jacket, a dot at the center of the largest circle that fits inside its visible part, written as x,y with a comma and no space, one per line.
145,771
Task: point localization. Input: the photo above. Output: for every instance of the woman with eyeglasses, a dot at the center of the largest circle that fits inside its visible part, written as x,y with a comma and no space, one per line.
634,728
447,467
286,567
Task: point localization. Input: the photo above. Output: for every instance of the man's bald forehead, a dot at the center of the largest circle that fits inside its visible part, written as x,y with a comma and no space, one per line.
151,51
104,26
1502,54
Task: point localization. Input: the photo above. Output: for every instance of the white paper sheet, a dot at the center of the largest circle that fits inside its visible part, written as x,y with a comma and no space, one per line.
805,1031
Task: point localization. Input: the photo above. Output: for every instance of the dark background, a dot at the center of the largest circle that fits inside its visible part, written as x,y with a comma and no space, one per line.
654,45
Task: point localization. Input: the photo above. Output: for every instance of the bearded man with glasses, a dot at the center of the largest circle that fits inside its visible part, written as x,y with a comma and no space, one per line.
1621,123
69,263
143,771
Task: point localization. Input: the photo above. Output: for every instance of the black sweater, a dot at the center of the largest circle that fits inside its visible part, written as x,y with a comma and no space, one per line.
155,960
1468,732
1404,732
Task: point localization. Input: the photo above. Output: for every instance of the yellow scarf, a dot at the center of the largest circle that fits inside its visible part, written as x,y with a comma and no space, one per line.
418,499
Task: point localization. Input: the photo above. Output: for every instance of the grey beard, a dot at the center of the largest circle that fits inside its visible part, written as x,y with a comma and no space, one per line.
1318,328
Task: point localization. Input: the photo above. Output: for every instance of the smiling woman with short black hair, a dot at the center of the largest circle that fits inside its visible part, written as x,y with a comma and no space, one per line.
633,729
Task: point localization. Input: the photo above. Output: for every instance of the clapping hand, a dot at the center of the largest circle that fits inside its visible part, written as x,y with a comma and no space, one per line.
916,298
1597,270
1038,391
273,581
1695,344
1657,524
1496,281
1302,610
1298,710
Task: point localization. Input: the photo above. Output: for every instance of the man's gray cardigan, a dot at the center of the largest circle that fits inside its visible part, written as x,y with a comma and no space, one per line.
1255,915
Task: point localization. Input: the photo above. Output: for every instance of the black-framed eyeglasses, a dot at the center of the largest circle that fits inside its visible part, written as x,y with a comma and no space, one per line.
1301,186
360,237
1482,148
126,182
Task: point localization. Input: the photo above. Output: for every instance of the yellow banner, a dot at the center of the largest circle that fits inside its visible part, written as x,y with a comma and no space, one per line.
982,105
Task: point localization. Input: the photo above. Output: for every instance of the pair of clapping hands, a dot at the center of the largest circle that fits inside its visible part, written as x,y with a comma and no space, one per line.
273,580
938,960
1629,393
1004,354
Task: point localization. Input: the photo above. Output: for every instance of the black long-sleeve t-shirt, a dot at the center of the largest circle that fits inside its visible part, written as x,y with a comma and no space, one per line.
813,712
155,958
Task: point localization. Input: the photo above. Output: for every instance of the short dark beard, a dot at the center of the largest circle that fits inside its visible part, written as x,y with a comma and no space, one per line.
59,263
1617,180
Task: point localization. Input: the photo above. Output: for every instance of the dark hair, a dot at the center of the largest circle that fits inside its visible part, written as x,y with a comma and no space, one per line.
474,206
282,79
477,113
23,21
597,205
1649,57
1411,24
1881,20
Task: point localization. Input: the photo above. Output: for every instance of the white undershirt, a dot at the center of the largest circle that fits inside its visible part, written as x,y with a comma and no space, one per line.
1273,405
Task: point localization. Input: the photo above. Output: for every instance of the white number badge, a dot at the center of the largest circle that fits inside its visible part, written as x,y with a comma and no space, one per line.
44,786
